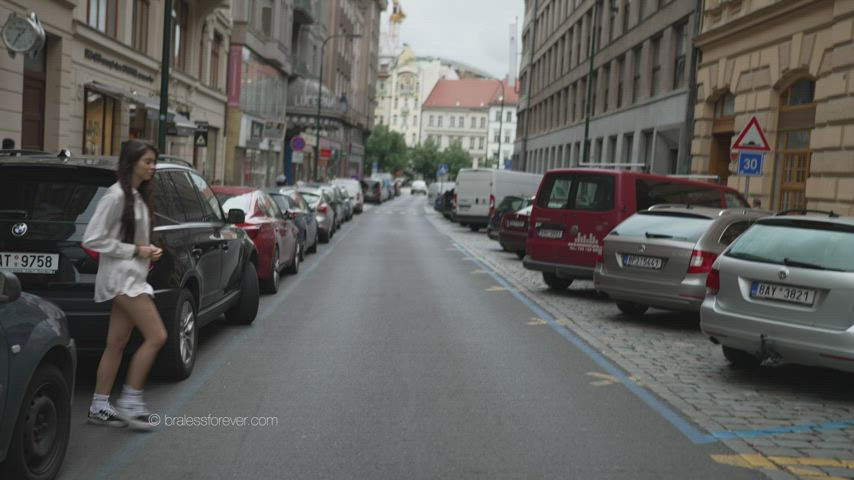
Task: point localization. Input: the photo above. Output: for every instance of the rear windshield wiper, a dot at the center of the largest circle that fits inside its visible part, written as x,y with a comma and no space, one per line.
750,256
657,235
796,263
20,213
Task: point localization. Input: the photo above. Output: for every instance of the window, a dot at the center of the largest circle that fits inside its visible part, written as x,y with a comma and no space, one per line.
440,120
612,19
413,139
188,200
216,48
103,16
140,25
180,34
101,115
430,123
636,74
509,117
796,121
213,210
395,103
556,192
725,106
612,149
597,155
482,122
473,123
506,138
680,33
394,119
627,7
594,86
471,142
621,71
165,204
453,120
647,145
480,143
801,93
497,115
654,192
462,122
594,193
654,88
628,146
732,232
606,81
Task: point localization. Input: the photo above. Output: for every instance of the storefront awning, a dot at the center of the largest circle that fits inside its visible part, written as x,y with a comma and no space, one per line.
178,124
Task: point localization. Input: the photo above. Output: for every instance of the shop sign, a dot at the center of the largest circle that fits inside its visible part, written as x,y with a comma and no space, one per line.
114,65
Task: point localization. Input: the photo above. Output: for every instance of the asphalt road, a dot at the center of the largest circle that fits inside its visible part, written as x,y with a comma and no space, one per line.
392,354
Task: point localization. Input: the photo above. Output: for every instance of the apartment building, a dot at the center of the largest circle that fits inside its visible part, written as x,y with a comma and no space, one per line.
96,82
502,126
638,96
788,63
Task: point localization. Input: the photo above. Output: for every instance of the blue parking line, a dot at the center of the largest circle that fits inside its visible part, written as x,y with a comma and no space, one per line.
200,378
770,432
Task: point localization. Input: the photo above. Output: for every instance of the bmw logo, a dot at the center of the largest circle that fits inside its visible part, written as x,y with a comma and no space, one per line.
19,229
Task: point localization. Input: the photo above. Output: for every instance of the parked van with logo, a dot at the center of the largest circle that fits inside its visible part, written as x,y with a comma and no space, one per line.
478,190
576,208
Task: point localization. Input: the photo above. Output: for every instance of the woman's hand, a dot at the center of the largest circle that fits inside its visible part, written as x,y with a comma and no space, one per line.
150,252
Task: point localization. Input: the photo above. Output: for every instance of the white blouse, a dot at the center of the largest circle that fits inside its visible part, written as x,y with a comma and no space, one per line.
119,272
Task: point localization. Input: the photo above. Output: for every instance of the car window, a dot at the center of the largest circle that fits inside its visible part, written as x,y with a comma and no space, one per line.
50,195
733,231
311,198
663,226
242,202
166,210
509,203
213,210
734,200
188,199
283,201
654,192
270,206
593,193
555,193
821,244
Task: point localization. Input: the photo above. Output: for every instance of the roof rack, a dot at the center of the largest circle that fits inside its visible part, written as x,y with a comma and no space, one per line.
660,206
803,211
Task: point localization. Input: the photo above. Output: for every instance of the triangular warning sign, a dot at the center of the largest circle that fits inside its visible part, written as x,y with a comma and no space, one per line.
752,138
200,141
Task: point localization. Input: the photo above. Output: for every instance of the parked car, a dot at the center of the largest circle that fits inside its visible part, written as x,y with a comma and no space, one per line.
449,199
575,208
418,186
514,231
373,190
275,235
295,208
346,201
320,202
208,265
38,362
437,189
784,292
660,257
478,189
354,189
509,204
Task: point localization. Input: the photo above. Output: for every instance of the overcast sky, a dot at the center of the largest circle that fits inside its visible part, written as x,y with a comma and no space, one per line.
476,32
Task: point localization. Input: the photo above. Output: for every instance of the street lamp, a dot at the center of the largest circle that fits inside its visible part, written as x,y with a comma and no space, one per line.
351,36
500,123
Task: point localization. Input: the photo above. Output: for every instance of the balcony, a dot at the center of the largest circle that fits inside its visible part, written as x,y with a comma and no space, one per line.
303,12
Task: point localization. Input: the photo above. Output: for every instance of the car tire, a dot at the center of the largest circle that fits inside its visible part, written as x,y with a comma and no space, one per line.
178,357
271,285
47,404
632,309
556,283
301,250
313,248
474,228
293,269
323,238
520,255
246,309
740,359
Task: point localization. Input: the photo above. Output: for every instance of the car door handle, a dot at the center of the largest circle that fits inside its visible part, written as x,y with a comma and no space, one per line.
224,246
197,252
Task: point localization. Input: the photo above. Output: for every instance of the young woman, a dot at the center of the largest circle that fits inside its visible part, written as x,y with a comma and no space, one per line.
120,232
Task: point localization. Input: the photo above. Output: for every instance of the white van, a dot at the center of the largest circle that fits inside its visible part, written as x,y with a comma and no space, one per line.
480,189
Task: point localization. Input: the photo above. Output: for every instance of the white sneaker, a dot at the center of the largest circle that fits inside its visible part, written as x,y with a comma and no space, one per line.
106,416
135,414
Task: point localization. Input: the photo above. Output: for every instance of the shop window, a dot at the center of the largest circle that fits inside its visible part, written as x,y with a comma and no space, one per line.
101,118
102,15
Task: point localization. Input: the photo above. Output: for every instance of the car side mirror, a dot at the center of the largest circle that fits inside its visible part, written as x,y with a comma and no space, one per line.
10,287
291,215
235,216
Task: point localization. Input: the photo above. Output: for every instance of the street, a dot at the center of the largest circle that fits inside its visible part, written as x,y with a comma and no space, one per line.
395,353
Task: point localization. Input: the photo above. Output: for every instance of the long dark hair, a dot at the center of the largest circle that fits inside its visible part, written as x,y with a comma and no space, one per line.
132,151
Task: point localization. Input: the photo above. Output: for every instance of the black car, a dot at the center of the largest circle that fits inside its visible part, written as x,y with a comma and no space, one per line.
37,367
510,203
208,266
295,207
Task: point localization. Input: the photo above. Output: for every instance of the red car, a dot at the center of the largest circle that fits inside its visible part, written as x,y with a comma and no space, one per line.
514,231
275,235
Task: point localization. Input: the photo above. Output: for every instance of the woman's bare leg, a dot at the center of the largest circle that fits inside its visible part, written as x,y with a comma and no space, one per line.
144,315
118,334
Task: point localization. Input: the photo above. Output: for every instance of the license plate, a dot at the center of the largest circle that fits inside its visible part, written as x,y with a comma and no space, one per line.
651,263
515,223
29,262
550,233
783,293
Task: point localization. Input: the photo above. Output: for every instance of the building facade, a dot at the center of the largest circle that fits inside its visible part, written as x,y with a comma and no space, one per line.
96,82
638,100
458,111
789,64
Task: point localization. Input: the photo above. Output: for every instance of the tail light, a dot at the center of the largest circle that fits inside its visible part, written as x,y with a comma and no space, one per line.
713,282
251,230
701,262
491,204
92,254
323,208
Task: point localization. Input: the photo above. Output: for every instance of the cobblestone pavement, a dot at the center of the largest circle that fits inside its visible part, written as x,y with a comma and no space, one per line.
810,410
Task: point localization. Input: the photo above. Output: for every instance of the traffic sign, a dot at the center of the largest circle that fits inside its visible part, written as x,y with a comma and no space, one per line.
752,138
750,164
442,170
297,143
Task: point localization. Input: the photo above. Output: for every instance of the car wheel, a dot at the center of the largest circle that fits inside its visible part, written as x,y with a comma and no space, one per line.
271,285
632,309
40,438
474,228
556,283
520,255
301,250
740,359
293,269
313,248
178,356
324,238
244,311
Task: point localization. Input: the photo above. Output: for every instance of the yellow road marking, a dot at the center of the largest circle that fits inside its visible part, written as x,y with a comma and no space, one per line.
496,289
793,465
604,379
478,271
537,321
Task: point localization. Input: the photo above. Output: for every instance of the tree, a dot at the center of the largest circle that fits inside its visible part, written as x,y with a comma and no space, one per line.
456,158
387,148
425,159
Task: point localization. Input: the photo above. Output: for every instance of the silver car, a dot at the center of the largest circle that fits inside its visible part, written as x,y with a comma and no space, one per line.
319,201
660,257
784,292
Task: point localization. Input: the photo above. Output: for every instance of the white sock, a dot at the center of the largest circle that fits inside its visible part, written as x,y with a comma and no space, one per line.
131,398
99,402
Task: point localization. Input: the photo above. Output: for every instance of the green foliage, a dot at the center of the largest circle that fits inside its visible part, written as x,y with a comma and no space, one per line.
456,158
425,159
387,148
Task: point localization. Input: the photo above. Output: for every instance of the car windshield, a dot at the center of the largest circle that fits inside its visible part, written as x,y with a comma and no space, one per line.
511,203
52,196
239,201
817,245
311,198
673,227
